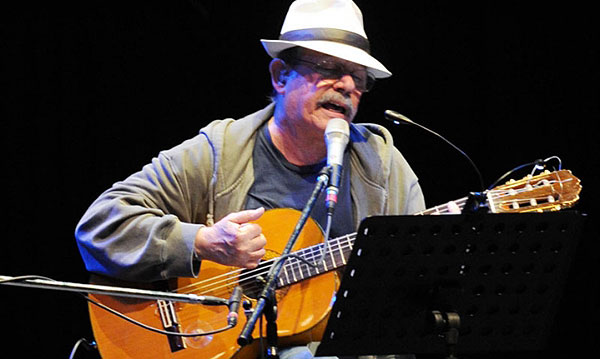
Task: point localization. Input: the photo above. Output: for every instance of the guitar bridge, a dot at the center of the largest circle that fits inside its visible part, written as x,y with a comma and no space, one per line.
168,317
176,342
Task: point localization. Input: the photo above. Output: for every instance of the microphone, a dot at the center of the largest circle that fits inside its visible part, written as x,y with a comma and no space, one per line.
337,135
234,306
398,118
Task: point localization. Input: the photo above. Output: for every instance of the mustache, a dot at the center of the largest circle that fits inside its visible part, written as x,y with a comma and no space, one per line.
339,99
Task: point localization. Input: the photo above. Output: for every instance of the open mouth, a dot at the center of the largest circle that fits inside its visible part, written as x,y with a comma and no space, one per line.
334,107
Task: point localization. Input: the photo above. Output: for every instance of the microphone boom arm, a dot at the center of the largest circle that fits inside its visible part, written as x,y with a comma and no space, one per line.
398,118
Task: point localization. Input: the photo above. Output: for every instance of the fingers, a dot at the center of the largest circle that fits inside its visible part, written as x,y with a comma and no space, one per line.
246,216
254,257
249,238
249,230
247,253
233,240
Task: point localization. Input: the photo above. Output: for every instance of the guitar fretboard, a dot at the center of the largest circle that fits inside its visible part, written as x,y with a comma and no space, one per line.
323,259
334,256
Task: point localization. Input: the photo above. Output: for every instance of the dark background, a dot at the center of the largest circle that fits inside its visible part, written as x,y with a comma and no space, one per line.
92,91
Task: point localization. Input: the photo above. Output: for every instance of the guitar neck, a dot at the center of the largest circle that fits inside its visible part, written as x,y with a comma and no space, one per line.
322,259
334,256
549,191
443,208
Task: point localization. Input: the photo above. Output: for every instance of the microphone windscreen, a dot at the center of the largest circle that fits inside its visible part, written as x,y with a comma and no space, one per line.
337,135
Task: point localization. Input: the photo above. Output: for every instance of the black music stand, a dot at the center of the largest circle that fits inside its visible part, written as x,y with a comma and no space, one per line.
496,278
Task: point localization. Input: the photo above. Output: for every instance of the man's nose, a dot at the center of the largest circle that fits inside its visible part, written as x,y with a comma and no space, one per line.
345,83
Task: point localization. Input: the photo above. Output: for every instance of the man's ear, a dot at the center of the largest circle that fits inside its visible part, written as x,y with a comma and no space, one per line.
279,74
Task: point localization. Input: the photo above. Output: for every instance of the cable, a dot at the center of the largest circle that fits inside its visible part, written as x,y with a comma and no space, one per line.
503,177
322,253
150,328
118,314
538,164
398,118
325,247
24,278
86,344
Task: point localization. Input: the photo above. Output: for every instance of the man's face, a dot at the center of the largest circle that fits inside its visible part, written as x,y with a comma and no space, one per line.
321,87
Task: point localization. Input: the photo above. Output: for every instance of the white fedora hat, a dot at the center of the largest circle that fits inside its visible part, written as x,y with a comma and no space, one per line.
333,27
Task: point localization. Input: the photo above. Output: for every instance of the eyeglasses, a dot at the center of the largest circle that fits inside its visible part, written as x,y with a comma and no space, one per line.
334,70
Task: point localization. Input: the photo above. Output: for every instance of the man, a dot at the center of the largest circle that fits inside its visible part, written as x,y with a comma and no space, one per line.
195,202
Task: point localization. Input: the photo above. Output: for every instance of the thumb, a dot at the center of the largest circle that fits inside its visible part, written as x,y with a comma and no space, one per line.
246,215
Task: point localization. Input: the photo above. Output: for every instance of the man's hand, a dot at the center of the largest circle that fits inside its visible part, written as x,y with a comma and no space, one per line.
233,241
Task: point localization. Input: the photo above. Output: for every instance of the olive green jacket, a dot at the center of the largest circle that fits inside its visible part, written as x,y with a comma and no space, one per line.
143,228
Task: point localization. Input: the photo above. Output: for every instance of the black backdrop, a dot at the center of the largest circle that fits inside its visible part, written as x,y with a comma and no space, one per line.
92,91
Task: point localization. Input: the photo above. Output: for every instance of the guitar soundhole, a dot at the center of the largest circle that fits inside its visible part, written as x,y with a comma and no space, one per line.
252,281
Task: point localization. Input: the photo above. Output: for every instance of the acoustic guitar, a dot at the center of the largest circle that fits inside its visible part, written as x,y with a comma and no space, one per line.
304,293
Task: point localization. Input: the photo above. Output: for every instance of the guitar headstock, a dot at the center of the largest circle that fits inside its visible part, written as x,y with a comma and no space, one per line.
549,191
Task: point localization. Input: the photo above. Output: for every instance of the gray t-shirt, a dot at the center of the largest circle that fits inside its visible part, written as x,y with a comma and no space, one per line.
280,184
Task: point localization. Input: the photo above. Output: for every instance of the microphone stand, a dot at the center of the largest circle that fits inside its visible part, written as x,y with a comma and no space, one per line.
110,290
267,302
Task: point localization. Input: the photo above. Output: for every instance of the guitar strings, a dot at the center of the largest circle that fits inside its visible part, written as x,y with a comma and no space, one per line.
225,277
227,284
231,276
507,193
225,280
443,208
264,265
499,194
261,270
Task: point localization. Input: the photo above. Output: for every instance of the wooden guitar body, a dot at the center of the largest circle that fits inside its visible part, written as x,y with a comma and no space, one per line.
302,307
